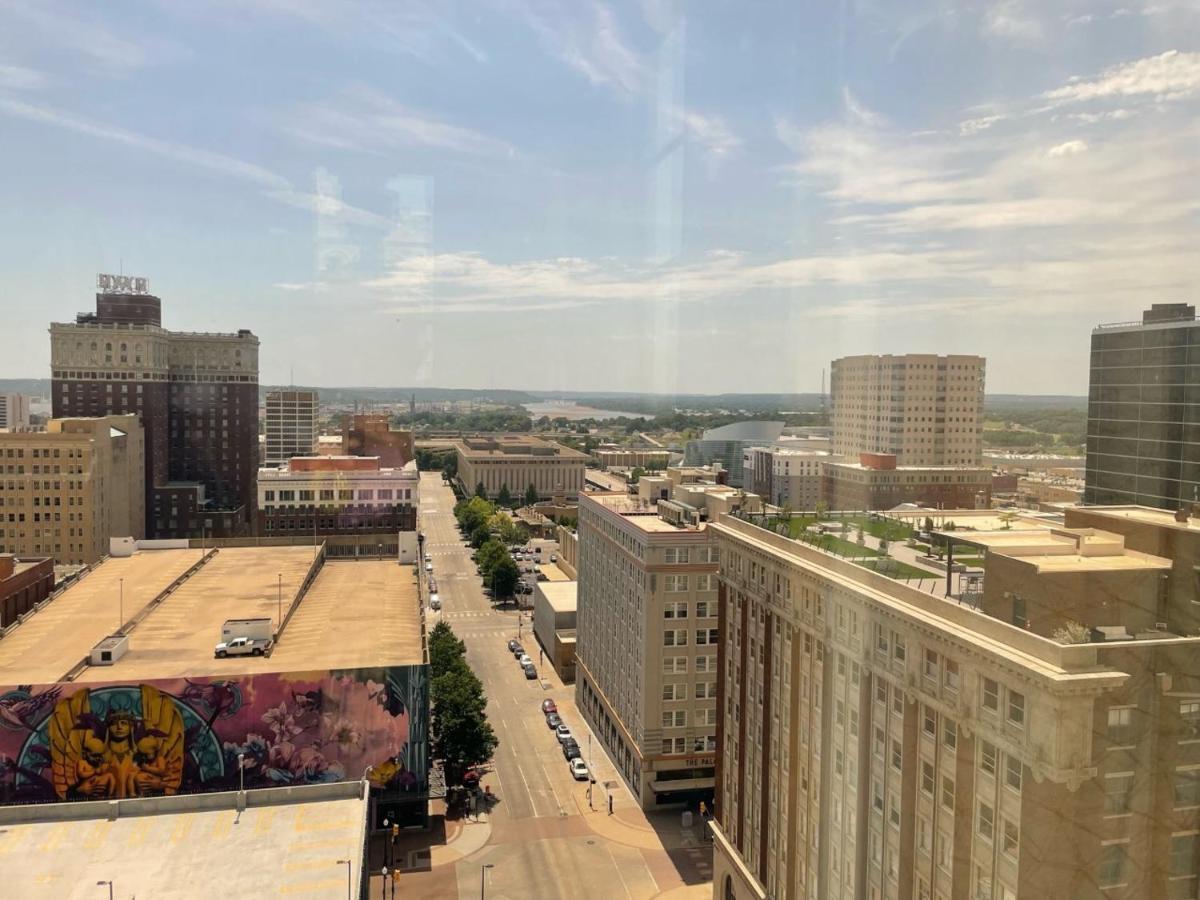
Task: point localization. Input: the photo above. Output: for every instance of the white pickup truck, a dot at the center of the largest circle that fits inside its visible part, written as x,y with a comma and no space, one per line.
242,646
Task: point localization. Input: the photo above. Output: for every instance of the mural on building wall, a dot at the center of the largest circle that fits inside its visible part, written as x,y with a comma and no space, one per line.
170,736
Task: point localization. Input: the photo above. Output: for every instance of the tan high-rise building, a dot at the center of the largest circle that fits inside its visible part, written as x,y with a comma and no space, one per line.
646,642
66,490
14,411
1036,736
925,409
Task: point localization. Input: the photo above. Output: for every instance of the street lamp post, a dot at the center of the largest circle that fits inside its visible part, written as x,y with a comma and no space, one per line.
340,862
483,879
110,888
279,605
121,606
241,773
383,874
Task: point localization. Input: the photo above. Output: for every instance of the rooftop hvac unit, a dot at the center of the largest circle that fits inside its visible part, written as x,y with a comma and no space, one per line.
109,650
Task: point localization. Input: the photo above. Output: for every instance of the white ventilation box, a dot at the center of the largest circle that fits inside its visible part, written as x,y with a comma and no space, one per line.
109,650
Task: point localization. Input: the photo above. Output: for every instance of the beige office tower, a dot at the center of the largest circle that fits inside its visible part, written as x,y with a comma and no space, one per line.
291,425
66,490
646,641
1034,735
925,409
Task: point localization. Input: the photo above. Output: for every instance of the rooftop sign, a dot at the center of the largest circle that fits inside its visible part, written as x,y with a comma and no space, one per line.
122,284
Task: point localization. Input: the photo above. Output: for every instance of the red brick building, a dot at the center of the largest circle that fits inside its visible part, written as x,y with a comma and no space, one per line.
23,583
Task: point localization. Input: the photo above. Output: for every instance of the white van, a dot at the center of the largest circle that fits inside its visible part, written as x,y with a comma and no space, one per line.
435,602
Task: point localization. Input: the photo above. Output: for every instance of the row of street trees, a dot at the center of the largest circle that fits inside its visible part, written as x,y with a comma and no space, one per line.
462,735
504,497
491,533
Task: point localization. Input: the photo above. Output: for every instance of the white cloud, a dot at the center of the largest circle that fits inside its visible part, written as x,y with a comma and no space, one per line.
1068,148
19,78
587,37
1012,20
1168,76
366,120
968,127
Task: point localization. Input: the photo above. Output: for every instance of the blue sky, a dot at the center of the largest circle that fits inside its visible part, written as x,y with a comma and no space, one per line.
649,196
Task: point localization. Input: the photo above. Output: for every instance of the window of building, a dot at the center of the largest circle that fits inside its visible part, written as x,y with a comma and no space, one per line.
676,610
706,690
706,636
1185,856
1189,720
674,718
948,792
987,757
1120,726
991,695
675,584
674,691
1187,788
1118,788
987,824
949,734
1013,772
950,676
676,665
927,777
930,667
1016,708
675,637
1113,861
1012,837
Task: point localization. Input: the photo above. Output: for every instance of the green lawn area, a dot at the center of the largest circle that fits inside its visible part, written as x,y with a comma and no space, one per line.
884,529
974,561
842,547
899,570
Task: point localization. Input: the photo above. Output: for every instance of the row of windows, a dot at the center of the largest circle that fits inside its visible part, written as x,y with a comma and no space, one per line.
678,609
678,665
678,637
291,496
677,690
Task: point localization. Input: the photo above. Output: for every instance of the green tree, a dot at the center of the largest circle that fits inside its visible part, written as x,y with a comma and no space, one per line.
504,498
462,735
504,577
531,495
636,474
481,491
473,513
489,556
928,524
450,467
445,650
480,535
822,508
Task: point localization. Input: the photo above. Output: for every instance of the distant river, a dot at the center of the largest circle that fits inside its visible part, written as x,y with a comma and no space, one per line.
568,410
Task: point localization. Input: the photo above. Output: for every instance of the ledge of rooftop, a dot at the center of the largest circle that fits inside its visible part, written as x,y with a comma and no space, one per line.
1056,658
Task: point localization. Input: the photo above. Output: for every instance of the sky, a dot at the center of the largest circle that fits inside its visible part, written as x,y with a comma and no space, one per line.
650,196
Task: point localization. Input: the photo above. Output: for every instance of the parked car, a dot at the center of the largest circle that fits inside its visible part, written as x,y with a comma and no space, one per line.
579,770
524,659
428,566
571,750
435,602
553,720
517,650
562,732
513,645
530,671
549,706
428,558
553,557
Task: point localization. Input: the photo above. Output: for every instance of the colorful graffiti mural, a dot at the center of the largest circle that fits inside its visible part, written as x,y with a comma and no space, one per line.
109,741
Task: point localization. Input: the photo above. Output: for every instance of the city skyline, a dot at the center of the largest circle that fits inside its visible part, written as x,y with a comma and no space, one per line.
439,176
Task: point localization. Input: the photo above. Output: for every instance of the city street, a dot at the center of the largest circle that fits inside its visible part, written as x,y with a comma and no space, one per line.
540,839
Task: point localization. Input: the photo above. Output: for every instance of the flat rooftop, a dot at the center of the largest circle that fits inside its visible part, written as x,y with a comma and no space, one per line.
641,514
356,613
279,849
1146,515
52,640
522,447
1063,549
562,596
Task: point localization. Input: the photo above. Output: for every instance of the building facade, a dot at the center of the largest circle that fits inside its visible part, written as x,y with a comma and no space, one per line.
785,477
727,445
1143,438
517,462
14,411
925,409
290,426
646,645
24,583
632,457
196,396
66,490
337,495
877,741
877,482
372,435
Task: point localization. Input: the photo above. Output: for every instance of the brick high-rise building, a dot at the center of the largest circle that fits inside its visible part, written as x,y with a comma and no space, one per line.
195,393
925,409
371,434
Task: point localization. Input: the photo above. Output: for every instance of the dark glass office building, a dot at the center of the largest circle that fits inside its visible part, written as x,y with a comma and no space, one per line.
1143,438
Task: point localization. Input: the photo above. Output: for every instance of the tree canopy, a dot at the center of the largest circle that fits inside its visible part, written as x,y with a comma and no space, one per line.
462,735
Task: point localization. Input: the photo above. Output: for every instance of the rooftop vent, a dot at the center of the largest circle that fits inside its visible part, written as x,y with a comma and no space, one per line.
109,650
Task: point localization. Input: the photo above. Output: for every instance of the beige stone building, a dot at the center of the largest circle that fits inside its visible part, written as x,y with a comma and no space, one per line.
1037,737
647,638
518,461
925,409
875,482
66,490
290,425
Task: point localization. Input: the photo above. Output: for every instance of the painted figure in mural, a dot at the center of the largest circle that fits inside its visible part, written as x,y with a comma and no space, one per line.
22,708
123,754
